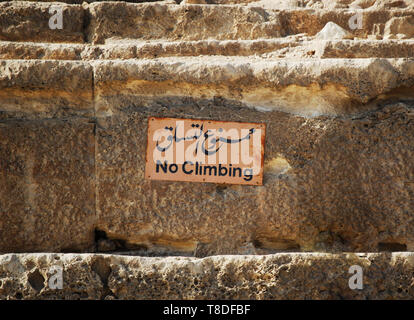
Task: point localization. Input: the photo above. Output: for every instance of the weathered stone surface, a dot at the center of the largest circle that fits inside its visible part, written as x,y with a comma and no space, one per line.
41,51
29,21
364,49
47,189
279,4
99,22
89,1
198,22
125,93
400,28
311,22
280,276
331,31
45,89
306,87
192,22
331,4
346,174
134,50
289,47
339,174
348,183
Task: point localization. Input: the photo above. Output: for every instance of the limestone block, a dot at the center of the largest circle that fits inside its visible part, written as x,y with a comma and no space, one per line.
279,276
47,189
35,89
29,21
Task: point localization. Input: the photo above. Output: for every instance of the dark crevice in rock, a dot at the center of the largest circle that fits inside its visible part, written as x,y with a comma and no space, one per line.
69,250
103,243
86,24
99,234
102,268
276,245
392,246
93,121
36,280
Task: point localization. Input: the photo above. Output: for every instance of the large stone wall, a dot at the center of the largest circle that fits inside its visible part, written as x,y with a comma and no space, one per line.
339,169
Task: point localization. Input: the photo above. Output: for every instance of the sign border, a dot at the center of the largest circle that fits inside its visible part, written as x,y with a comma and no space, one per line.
263,143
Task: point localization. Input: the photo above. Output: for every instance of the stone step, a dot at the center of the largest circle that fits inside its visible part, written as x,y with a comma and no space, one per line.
279,276
266,48
330,184
99,22
199,22
91,1
29,21
307,87
273,4
45,89
154,49
338,170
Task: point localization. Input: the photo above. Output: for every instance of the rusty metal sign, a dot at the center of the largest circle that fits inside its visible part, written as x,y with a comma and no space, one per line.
205,151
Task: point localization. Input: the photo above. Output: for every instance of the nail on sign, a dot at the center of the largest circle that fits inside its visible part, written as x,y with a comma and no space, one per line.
205,151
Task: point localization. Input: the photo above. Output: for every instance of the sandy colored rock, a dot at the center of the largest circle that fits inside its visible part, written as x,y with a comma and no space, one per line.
400,28
305,87
276,4
45,89
280,48
314,4
322,192
338,171
332,31
187,22
364,49
348,186
280,276
111,21
127,92
99,22
42,51
29,21
47,191
332,4
89,1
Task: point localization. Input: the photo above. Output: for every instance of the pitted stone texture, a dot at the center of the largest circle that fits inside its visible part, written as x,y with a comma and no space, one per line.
42,51
113,21
364,49
311,22
171,22
29,21
338,184
90,1
331,4
99,22
305,87
280,48
280,4
280,276
138,50
400,28
331,31
47,190
45,89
